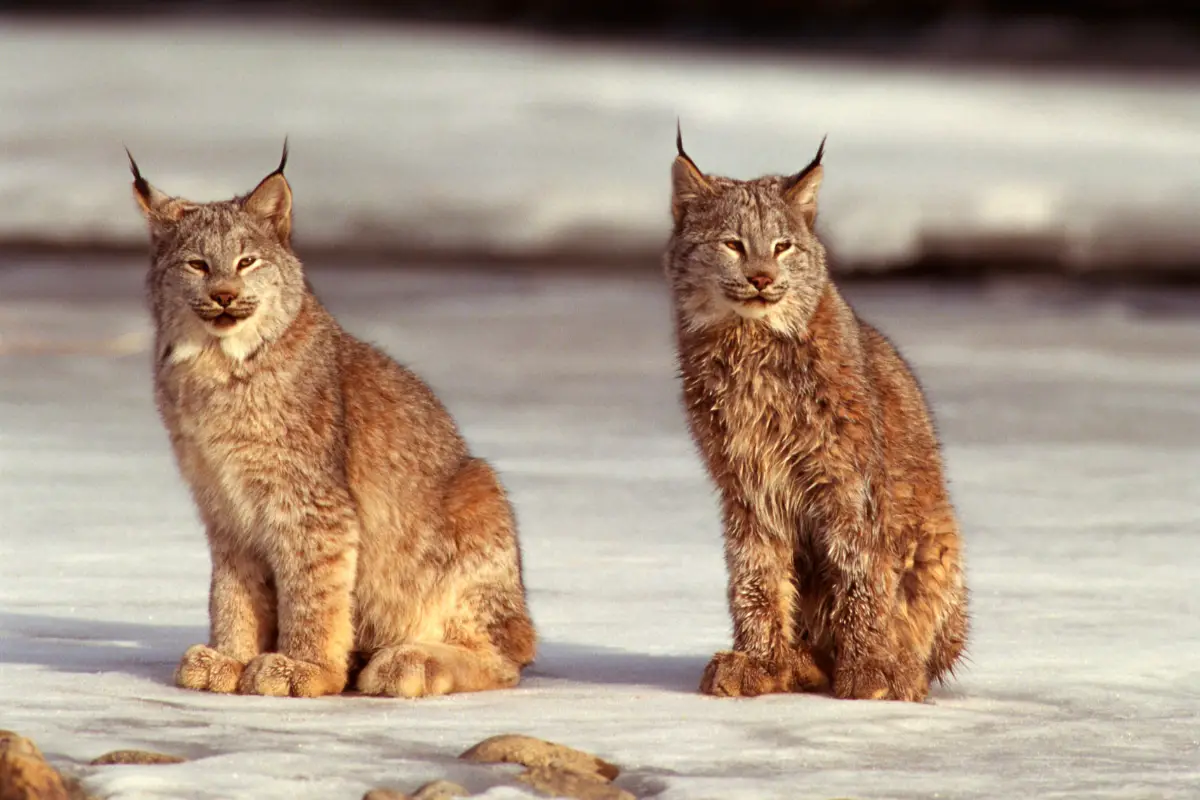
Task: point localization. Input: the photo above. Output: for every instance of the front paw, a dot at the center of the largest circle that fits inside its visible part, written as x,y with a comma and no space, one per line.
879,679
735,674
277,675
207,670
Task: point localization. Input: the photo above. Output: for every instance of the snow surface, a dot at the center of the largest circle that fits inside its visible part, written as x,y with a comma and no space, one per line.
405,137
1071,429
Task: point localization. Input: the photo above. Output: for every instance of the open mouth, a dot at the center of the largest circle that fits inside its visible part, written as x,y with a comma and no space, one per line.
223,321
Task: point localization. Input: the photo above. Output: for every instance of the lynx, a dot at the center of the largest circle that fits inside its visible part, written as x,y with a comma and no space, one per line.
349,527
842,548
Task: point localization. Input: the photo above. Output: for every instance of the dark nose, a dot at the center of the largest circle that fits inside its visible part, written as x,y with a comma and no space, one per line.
761,280
224,298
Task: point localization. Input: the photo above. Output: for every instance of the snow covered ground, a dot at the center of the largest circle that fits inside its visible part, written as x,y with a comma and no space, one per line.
410,138
1072,435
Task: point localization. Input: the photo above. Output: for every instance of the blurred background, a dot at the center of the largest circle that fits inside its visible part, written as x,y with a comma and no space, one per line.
1012,191
964,135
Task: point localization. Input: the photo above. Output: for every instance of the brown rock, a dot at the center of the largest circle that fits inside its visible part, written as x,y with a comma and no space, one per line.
385,794
512,748
440,790
566,783
27,777
135,757
12,742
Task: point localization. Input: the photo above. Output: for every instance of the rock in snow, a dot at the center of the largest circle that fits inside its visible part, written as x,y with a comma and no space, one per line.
514,748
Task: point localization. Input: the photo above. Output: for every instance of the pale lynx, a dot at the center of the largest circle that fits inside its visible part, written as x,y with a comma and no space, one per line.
350,528
843,551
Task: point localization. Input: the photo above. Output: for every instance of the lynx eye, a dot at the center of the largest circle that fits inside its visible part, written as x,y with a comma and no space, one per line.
199,265
246,262
782,247
736,246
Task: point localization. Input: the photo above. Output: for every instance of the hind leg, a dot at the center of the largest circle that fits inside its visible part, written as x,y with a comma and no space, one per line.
921,626
474,632
426,669
489,570
950,641
936,596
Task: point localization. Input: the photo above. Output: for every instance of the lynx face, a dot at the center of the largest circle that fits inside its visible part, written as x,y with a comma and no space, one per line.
745,249
226,269
222,271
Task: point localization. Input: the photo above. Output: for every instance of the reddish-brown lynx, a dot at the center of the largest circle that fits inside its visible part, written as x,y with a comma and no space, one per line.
844,555
347,521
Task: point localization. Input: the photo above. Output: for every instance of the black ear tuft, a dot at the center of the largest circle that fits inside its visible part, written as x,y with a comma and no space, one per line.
139,183
680,150
802,174
283,160
820,150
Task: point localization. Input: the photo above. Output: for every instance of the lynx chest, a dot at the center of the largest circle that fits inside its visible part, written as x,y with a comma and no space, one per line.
231,436
758,421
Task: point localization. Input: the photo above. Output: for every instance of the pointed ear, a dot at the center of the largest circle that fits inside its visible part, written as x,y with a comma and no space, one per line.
158,208
800,190
271,201
687,181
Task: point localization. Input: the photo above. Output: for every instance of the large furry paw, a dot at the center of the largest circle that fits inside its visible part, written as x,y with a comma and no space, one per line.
207,670
880,679
736,674
406,671
277,675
